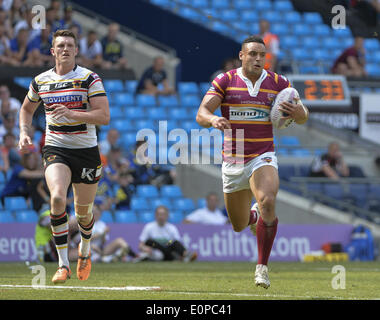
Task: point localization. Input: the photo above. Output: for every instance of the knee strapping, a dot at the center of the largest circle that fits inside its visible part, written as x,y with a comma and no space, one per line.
83,210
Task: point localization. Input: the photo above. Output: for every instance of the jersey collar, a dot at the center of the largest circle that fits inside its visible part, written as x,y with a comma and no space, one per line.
253,90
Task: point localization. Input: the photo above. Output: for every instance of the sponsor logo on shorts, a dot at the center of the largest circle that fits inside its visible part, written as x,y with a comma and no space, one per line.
267,159
51,158
88,174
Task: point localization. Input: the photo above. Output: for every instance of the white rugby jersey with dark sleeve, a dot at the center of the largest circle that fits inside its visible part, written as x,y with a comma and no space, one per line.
74,90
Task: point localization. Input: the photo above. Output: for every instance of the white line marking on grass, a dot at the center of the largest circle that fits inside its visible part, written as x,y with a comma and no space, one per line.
127,288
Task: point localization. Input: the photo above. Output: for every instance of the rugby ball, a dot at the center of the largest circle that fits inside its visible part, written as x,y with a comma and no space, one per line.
288,94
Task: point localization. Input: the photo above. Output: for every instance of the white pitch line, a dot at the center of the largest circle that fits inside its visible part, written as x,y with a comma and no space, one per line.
132,288
127,288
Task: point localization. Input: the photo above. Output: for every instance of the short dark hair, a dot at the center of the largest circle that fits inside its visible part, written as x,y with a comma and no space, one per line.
63,33
253,38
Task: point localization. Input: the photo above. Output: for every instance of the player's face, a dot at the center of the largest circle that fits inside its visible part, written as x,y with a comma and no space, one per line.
64,50
252,57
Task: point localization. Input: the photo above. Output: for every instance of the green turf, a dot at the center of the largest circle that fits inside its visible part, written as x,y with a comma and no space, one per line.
200,281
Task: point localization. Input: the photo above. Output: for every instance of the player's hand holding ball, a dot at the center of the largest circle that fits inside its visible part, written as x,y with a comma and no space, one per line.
220,123
293,111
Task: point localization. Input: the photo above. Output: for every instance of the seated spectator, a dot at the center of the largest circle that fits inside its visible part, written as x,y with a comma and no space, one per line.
124,192
43,43
27,23
154,80
228,64
271,43
22,174
8,104
10,151
113,49
161,241
43,238
5,22
23,53
17,11
91,50
67,22
211,214
52,20
111,141
9,126
103,250
5,51
4,162
330,164
351,62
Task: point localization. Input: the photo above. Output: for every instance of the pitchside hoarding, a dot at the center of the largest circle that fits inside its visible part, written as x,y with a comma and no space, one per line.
212,243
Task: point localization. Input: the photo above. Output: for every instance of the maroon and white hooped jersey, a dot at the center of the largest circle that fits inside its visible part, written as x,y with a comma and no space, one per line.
247,107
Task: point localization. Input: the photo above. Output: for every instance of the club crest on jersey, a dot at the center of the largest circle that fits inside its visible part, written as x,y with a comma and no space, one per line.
77,84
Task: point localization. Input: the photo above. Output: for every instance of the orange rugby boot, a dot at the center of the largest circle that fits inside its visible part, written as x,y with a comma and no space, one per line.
63,273
83,266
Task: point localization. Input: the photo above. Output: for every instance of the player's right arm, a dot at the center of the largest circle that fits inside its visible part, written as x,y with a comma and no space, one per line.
211,101
26,116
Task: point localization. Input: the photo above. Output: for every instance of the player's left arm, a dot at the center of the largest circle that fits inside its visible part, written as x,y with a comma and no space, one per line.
98,115
296,111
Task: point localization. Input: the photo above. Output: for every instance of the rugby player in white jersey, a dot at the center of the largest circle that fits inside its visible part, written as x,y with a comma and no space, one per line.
74,101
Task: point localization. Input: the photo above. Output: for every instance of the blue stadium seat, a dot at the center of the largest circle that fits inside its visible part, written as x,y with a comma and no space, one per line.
243,4
286,171
125,216
168,101
131,85
280,29
6,217
311,42
145,217
249,16
171,191
300,29
123,99
203,87
289,42
262,5
309,69
175,217
128,140
371,44
322,30
178,114
272,16
161,3
314,187
300,152
145,124
321,54
359,192
184,204
373,69
188,125
113,85
133,112
189,13
190,101
283,5
158,113
106,217
312,18
146,100
199,3
373,56
147,191
138,204
334,190
220,4
342,33
289,141
120,124
161,202
220,27
116,112
2,178
15,203
356,171
23,81
26,216
229,15
292,17
301,54
201,203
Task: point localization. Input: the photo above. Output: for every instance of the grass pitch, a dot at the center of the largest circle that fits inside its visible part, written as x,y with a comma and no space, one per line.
196,281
